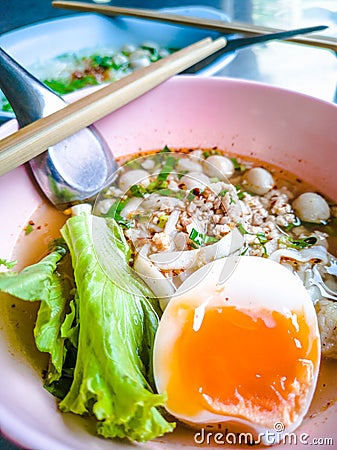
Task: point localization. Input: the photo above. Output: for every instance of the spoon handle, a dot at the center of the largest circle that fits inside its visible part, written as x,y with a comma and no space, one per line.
29,98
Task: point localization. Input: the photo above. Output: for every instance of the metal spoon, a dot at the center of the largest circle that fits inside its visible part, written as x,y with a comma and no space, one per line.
76,168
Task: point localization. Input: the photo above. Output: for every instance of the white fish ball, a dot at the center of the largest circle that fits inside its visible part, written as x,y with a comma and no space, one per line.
311,207
151,45
163,53
128,48
219,166
137,176
189,165
258,180
138,63
120,59
139,58
138,53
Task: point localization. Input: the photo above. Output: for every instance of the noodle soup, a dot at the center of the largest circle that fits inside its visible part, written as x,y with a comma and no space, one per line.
320,417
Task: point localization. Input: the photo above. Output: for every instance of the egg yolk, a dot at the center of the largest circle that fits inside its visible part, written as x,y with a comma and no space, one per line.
240,363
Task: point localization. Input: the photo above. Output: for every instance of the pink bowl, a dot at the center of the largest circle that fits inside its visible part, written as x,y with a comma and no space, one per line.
290,130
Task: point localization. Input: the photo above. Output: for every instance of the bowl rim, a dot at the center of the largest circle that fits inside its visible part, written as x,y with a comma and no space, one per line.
9,428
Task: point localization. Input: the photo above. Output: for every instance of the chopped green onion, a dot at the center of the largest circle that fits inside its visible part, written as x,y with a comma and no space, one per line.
213,151
241,228
239,192
181,174
116,209
152,50
297,223
193,193
169,164
165,192
105,62
66,86
237,166
8,264
262,238
125,223
29,228
231,200
162,220
156,185
201,239
137,190
210,239
134,163
193,245
6,106
169,193
196,237
301,243
190,196
142,218
165,150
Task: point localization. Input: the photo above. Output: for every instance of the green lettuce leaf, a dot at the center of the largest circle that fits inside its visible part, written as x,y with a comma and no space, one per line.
41,281
34,282
70,325
97,321
117,324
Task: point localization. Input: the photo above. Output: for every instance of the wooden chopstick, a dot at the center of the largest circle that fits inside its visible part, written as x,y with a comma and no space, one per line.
36,137
209,24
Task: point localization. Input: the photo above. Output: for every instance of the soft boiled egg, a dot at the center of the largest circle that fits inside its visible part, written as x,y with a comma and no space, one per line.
244,353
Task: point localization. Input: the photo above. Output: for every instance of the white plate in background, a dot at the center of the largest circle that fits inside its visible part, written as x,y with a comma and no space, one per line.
34,44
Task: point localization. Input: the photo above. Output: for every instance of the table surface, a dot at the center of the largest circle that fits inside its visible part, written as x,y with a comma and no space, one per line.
300,68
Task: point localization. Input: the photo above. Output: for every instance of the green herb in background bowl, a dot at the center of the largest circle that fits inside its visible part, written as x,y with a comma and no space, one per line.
70,72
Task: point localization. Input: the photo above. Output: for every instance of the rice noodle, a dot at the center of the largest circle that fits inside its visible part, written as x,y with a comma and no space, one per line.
170,227
189,259
161,286
132,206
315,253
